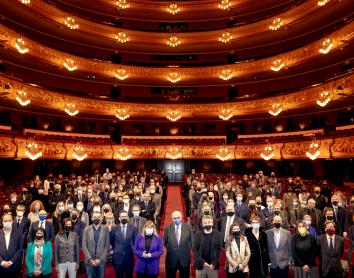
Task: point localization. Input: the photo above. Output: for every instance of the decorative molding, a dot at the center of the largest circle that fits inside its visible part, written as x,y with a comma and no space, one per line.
282,134
64,134
343,147
254,151
297,150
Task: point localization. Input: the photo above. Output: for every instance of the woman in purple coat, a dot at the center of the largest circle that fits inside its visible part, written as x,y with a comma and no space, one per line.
148,248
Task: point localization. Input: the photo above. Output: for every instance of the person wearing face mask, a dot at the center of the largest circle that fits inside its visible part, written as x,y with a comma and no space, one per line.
137,220
319,198
110,221
279,246
148,207
304,247
330,249
11,247
83,215
207,249
42,223
67,250
80,196
95,246
56,197
122,238
156,199
228,220
104,195
268,211
14,203
25,198
78,225
277,211
197,195
59,215
340,216
308,222
316,215
148,249
288,198
223,204
35,207
240,206
178,240
39,256
22,223
205,210
252,212
125,205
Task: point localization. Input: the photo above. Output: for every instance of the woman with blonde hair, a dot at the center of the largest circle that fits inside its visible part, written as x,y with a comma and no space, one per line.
148,248
237,253
35,207
58,217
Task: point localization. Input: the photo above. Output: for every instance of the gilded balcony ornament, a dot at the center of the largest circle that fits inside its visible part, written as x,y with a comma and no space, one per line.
173,115
326,47
267,153
276,24
71,23
225,37
22,98
277,65
173,41
275,109
79,153
174,77
226,114
323,99
173,9
174,152
20,45
25,2
224,4
122,37
70,109
122,4
122,114
121,74
226,74
314,150
70,64
322,2
223,154
33,151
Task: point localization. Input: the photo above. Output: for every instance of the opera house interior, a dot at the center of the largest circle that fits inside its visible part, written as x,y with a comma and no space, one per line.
177,103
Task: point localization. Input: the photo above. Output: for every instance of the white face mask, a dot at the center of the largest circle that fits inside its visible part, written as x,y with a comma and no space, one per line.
7,225
269,204
20,213
79,208
149,231
96,209
307,222
239,198
126,201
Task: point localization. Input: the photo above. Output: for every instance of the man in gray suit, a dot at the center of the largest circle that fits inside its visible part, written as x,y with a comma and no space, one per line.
137,221
178,239
95,246
279,246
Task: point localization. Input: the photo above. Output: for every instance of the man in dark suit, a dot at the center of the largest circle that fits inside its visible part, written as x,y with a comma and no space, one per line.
105,195
21,222
240,206
330,250
253,211
319,198
228,220
80,197
42,223
178,239
147,207
122,238
11,248
316,215
340,216
137,220
126,206
56,197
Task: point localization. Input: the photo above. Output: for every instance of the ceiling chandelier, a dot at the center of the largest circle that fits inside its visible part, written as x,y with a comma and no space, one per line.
174,77
173,41
79,153
322,2
314,150
324,99
123,153
267,153
22,98
21,46
226,74
174,152
225,37
70,22
224,5
121,74
70,65
327,45
25,2
226,114
173,8
122,37
277,65
122,4
70,108
223,154
173,116
276,24
275,110
33,151
122,114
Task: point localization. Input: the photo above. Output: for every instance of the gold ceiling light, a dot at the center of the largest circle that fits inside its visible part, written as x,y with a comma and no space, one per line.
173,41
33,151
224,4
70,64
71,23
121,74
174,77
326,47
122,114
26,2
223,154
277,65
225,37
276,24
275,110
79,152
174,152
267,153
314,150
322,2
122,37
123,153
22,98
173,115
70,109
20,45
226,114
173,8
226,74
324,99
122,4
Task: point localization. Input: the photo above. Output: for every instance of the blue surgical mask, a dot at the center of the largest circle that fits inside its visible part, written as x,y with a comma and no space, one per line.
42,217
177,222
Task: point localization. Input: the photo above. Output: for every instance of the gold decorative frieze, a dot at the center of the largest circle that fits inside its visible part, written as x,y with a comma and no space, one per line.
7,147
297,150
343,147
254,151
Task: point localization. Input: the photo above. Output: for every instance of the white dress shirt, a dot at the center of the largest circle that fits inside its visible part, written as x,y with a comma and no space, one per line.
277,238
329,241
41,224
229,221
7,239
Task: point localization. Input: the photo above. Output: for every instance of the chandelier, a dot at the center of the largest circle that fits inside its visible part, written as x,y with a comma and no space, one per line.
322,2
121,74
327,45
277,65
22,98
122,37
173,116
267,153
33,151
70,108
225,114
225,37
174,77
174,152
173,8
123,153
70,65
122,114
276,24
275,110
324,99
70,22
223,154
122,4
224,5
25,2
226,74
314,150
21,46
173,41
79,153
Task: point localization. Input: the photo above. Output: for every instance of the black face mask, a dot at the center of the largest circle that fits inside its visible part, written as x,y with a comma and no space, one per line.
276,212
330,218
124,221
317,192
39,237
113,199
277,225
207,212
106,210
208,227
335,203
230,213
96,221
210,198
252,207
259,203
236,234
67,228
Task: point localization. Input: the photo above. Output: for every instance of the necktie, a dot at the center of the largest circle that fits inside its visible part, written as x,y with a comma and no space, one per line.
331,249
270,211
146,204
136,223
124,233
177,234
18,222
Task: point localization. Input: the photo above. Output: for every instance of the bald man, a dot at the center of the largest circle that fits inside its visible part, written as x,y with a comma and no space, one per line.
178,240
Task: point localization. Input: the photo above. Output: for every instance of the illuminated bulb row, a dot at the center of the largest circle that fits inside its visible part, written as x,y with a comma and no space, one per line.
122,114
277,65
22,98
79,153
327,45
322,2
268,152
20,45
174,77
324,99
226,74
121,74
173,41
275,110
224,5
26,2
173,116
225,37
174,153
314,150
32,151
276,24
70,22
123,153
122,4
226,114
70,65
223,154
71,109
173,9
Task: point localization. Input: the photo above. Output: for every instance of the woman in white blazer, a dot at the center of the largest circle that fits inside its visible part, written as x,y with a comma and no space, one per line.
237,253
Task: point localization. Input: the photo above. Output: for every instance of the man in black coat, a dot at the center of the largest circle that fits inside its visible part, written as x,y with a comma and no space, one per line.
42,223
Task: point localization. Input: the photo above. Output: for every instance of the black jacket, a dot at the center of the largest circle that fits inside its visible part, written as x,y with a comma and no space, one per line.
216,246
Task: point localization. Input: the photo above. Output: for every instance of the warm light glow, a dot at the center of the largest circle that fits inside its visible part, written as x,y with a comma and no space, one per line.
26,2
123,153
224,5
174,152
33,151
122,4
173,41
121,74
275,110
327,45
226,74
79,153
22,98
225,37
224,154
21,46
122,114
314,150
277,65
122,37
322,2
71,109
276,24
70,65
226,114
70,22
174,77
173,116
324,99
173,8
267,153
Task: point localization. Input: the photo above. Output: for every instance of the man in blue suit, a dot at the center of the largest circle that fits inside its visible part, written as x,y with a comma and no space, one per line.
11,248
240,207
21,222
122,239
42,223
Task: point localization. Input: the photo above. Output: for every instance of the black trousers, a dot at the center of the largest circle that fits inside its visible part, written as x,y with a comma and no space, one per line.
183,271
9,274
279,272
237,274
145,276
